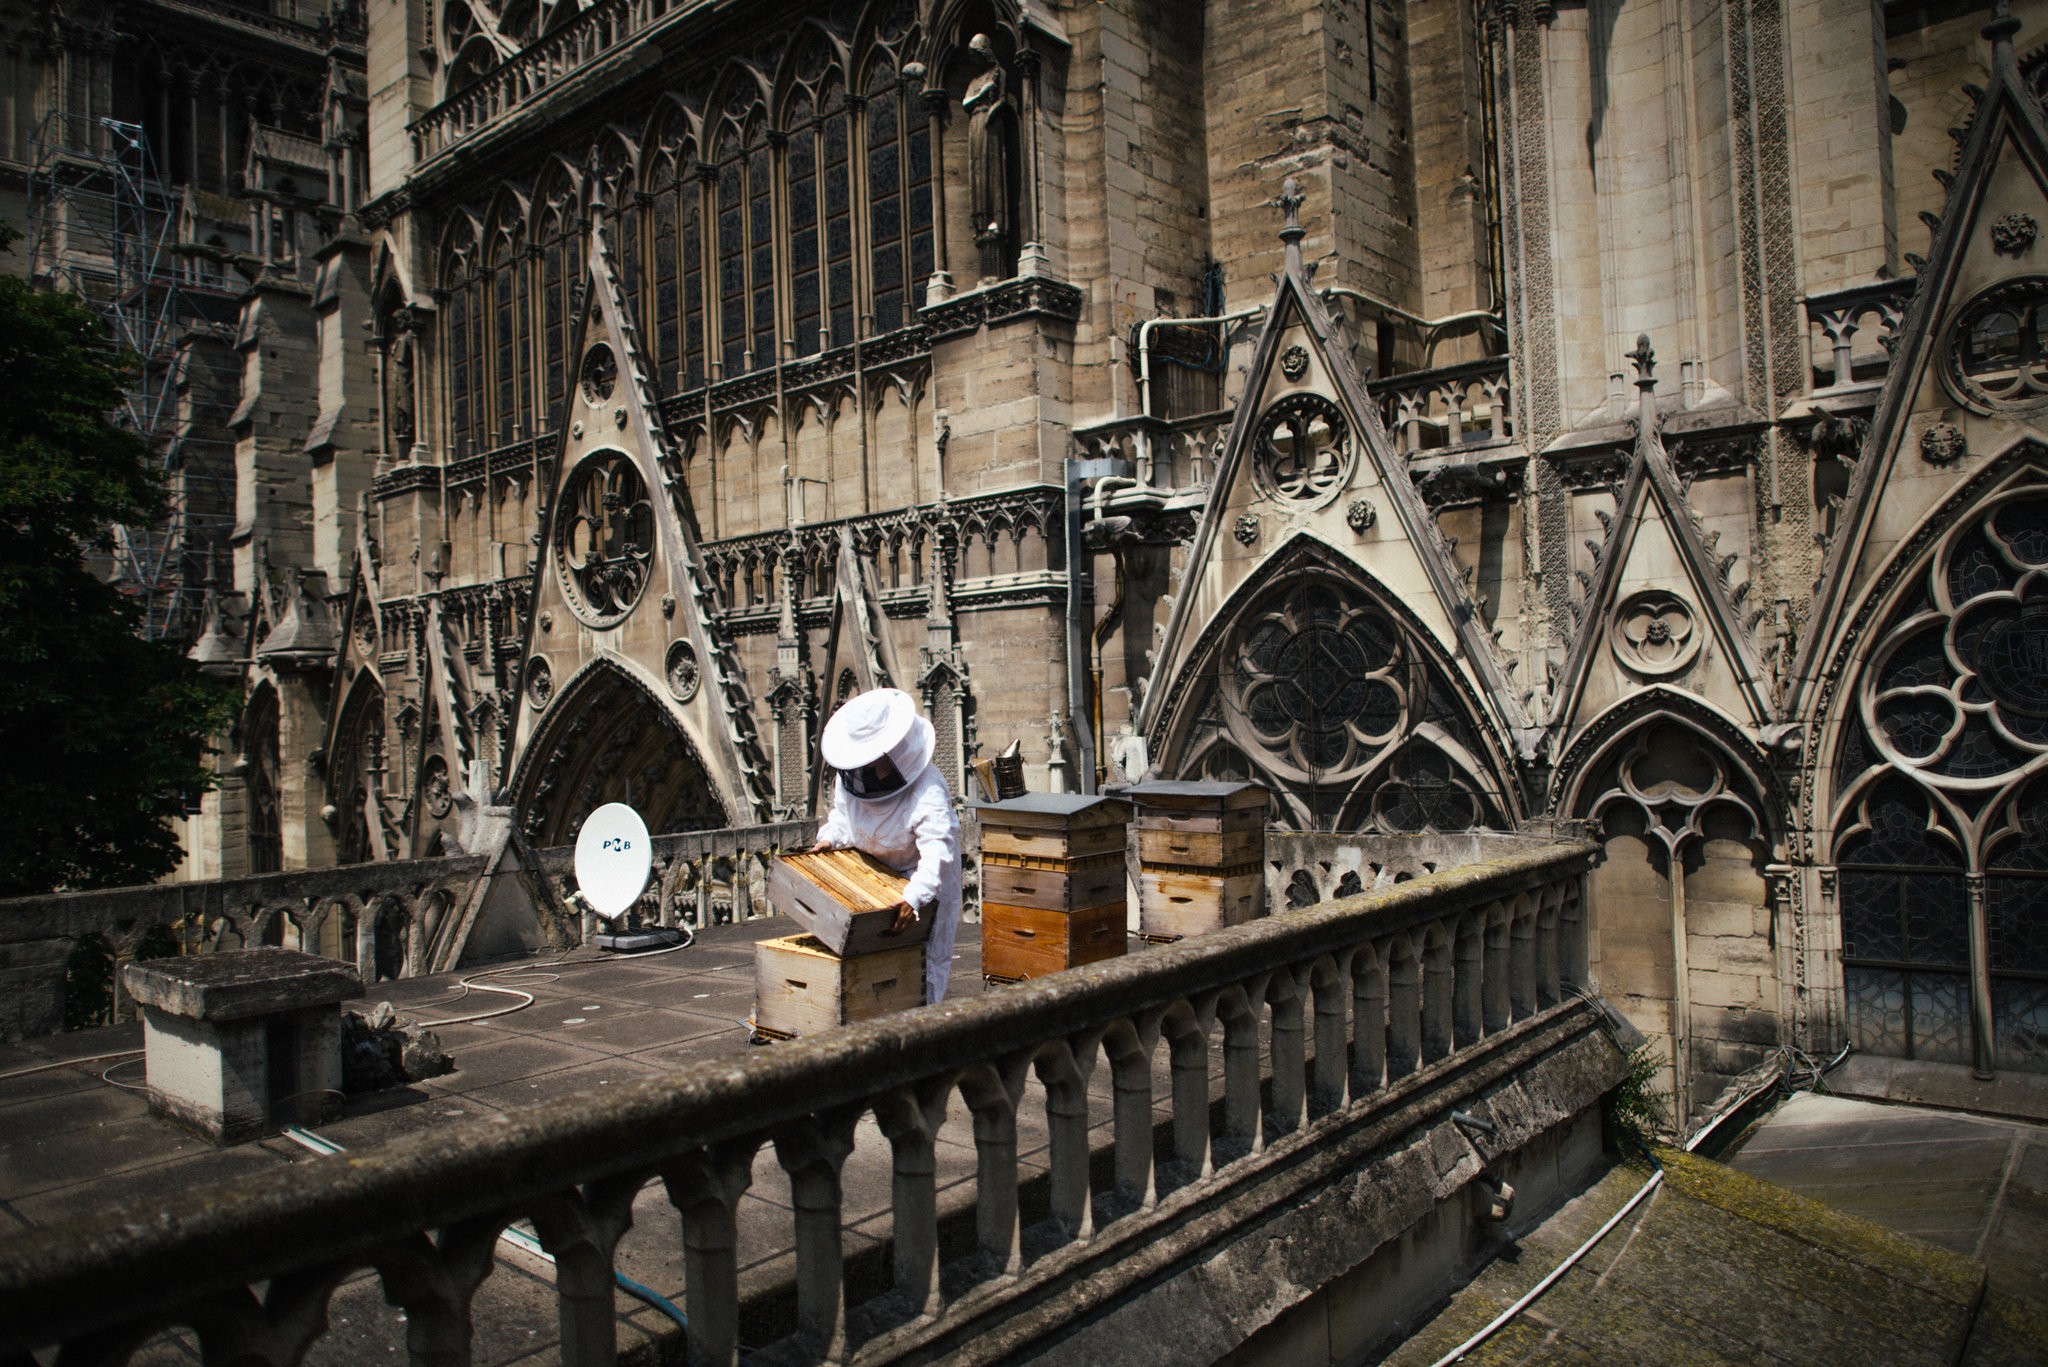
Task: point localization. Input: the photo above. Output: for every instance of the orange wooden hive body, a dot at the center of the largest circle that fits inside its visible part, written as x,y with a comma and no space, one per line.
1053,883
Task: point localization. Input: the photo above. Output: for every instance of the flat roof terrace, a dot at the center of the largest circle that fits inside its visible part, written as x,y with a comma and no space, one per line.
77,1139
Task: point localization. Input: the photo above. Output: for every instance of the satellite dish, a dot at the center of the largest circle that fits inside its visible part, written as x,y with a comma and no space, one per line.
613,858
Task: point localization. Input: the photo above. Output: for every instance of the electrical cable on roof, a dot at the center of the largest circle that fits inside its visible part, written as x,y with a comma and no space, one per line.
70,1063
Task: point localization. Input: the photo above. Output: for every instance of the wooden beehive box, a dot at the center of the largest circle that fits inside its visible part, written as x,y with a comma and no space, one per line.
1175,903
1057,885
1042,826
1026,942
802,987
845,898
1200,808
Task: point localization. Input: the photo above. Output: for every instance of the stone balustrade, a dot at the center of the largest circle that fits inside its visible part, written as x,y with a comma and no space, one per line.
1309,1061
599,30
389,918
1167,454
1448,407
1851,332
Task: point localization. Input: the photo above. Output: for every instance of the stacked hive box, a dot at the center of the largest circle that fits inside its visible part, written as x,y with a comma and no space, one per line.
1053,883
849,966
1201,853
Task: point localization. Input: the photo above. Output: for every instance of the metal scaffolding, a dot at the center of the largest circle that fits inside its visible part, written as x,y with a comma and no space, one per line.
104,227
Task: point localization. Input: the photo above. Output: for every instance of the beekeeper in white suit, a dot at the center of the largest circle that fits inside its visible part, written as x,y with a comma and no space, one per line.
891,801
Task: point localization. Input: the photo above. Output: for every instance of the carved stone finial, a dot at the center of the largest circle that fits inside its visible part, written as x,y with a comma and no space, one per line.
1644,360
1290,205
2000,30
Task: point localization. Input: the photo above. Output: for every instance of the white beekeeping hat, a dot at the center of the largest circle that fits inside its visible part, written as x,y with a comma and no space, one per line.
881,721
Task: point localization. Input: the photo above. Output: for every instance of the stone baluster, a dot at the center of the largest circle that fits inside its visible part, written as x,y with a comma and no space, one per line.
1548,989
579,1229
1453,396
1468,981
1437,988
1329,1070
433,1281
1241,1130
1522,958
1571,934
1839,326
1063,1068
910,1117
1494,997
1187,1027
1130,1045
705,1187
1497,391
992,1092
1404,1008
813,1152
1369,1023
234,1326
1412,405
1290,1059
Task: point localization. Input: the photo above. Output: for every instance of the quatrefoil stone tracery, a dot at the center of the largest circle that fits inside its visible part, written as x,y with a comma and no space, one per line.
604,538
1655,633
1302,450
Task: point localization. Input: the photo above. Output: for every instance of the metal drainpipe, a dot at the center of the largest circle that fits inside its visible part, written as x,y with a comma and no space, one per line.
1081,606
1145,346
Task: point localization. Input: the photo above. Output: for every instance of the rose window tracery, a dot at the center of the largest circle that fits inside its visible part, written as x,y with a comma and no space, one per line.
1957,691
1320,692
1303,450
1998,348
604,538
1940,778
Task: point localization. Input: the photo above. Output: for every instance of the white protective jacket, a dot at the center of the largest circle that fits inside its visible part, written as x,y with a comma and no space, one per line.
915,831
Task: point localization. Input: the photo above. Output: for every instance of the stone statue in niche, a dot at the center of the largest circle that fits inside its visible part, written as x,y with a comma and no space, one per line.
991,159
398,395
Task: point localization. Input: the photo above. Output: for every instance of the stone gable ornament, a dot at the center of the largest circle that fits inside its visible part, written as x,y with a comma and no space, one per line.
1943,444
540,681
2012,234
1360,516
1302,450
1246,528
1294,362
681,671
1655,633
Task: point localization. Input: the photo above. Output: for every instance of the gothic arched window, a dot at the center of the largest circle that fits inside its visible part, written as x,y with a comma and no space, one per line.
561,273
507,367
458,344
677,249
899,175
1315,689
1937,783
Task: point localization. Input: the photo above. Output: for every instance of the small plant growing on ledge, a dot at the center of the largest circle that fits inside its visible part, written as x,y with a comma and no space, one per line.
1634,1113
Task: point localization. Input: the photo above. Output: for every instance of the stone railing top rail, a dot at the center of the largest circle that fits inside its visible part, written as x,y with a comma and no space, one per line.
121,1263
68,915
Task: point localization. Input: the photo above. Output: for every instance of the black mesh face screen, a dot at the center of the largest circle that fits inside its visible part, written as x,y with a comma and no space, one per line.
872,780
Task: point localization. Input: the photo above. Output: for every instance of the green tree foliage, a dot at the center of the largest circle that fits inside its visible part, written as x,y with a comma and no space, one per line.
102,733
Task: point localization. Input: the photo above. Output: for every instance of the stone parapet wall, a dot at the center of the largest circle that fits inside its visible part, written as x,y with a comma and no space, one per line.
1343,1036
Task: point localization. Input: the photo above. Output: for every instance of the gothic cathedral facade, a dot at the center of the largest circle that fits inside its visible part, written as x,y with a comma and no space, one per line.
1626,420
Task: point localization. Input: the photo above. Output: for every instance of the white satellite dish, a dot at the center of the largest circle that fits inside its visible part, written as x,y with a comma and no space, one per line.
614,855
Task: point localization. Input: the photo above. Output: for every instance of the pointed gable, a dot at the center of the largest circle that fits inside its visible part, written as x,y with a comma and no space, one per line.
619,587
1660,608
1954,399
1308,454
